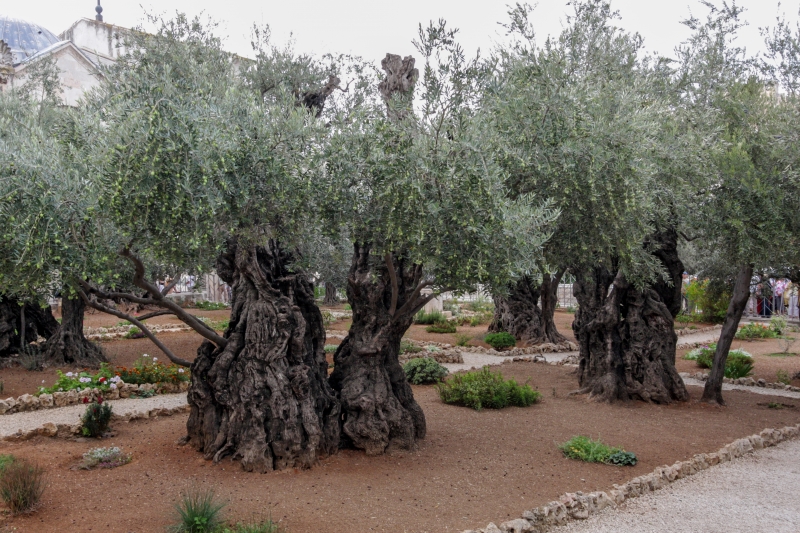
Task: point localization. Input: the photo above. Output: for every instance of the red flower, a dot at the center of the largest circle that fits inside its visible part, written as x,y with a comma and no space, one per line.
99,400
101,380
85,399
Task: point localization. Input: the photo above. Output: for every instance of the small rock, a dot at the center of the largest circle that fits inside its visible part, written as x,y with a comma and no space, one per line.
48,430
762,382
46,400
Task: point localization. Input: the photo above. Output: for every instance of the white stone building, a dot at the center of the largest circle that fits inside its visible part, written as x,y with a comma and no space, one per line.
79,52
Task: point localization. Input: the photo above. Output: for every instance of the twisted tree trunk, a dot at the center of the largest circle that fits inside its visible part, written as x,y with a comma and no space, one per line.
68,345
264,398
379,410
330,294
627,337
39,322
519,314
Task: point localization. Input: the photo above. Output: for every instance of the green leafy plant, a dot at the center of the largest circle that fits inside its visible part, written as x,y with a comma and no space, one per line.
330,348
407,346
755,331
104,458
198,512
500,340
327,318
210,306
31,358
348,307
481,305
480,319
134,333
5,460
739,363
428,318
571,309
484,388
424,370
145,369
783,376
462,339
95,419
586,449
21,485
778,324
444,326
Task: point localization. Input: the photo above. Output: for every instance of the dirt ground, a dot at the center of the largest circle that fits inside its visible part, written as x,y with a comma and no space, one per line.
472,468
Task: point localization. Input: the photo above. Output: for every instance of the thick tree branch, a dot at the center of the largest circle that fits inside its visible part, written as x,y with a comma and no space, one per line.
155,314
133,320
171,286
410,302
395,289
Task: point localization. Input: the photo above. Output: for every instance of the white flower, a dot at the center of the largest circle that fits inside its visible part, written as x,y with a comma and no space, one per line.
145,355
180,370
69,374
155,358
113,385
42,381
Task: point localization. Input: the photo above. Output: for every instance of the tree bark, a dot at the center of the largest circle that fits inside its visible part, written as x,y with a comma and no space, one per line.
626,339
330,294
379,410
519,313
263,398
712,392
68,345
39,322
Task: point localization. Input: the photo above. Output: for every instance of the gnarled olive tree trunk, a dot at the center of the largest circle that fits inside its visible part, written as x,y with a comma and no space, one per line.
29,320
264,398
330,294
379,410
519,313
68,345
626,336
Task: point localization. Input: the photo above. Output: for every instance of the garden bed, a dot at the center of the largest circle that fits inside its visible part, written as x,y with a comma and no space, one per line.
473,467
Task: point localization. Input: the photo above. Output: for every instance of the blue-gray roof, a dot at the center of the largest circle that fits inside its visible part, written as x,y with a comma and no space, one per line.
25,38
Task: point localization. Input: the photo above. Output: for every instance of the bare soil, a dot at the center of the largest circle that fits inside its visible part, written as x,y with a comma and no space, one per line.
473,467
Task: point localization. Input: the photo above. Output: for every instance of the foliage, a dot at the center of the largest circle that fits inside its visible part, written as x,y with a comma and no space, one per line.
687,318
480,319
500,340
462,339
486,389
593,451
711,298
481,305
210,306
134,333
443,326
31,358
755,331
424,370
104,458
5,460
429,318
406,346
21,485
95,419
330,348
144,370
778,324
738,364
259,526
571,309
783,376
198,512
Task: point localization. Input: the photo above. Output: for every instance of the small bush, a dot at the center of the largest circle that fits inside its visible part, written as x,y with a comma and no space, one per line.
407,346
104,458
96,419
428,318
330,348
210,306
500,340
755,331
348,307
135,333
593,451
31,358
424,370
739,363
21,485
198,512
783,377
5,460
488,389
327,318
571,309
444,326
481,305
462,339
778,324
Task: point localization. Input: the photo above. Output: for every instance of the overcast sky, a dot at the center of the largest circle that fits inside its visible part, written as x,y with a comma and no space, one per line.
372,28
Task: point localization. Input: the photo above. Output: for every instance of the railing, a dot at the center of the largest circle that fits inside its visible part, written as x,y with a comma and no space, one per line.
772,305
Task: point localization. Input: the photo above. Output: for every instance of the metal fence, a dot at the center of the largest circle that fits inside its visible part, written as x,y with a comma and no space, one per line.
771,306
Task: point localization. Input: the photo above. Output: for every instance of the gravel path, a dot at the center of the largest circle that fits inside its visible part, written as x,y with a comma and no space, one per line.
474,360
10,424
755,390
757,492
708,336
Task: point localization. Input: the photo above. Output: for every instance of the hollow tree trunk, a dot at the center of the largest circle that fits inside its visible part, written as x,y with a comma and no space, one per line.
68,345
264,399
712,392
330,294
379,410
39,322
519,314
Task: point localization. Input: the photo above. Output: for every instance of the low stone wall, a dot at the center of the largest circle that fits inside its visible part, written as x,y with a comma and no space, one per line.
117,332
580,506
747,382
29,402
690,331
445,356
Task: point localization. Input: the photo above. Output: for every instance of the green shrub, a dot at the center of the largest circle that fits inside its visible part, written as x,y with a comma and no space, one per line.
755,331
210,306
331,348
571,309
21,485
593,451
95,419
481,305
481,318
444,326
104,458
407,346
484,388
5,460
461,339
424,370
135,333
500,340
31,358
711,297
348,307
739,363
198,512
778,325
783,376
428,318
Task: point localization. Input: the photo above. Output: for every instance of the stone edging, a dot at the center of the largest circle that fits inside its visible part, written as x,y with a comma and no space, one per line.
747,382
29,402
688,331
70,430
579,506
117,332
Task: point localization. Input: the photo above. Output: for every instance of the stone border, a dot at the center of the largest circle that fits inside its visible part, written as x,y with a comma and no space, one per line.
747,382
118,332
688,331
29,402
579,506
67,431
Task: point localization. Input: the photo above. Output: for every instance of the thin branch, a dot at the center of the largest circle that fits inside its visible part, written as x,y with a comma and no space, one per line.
395,288
133,320
171,286
688,239
155,314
